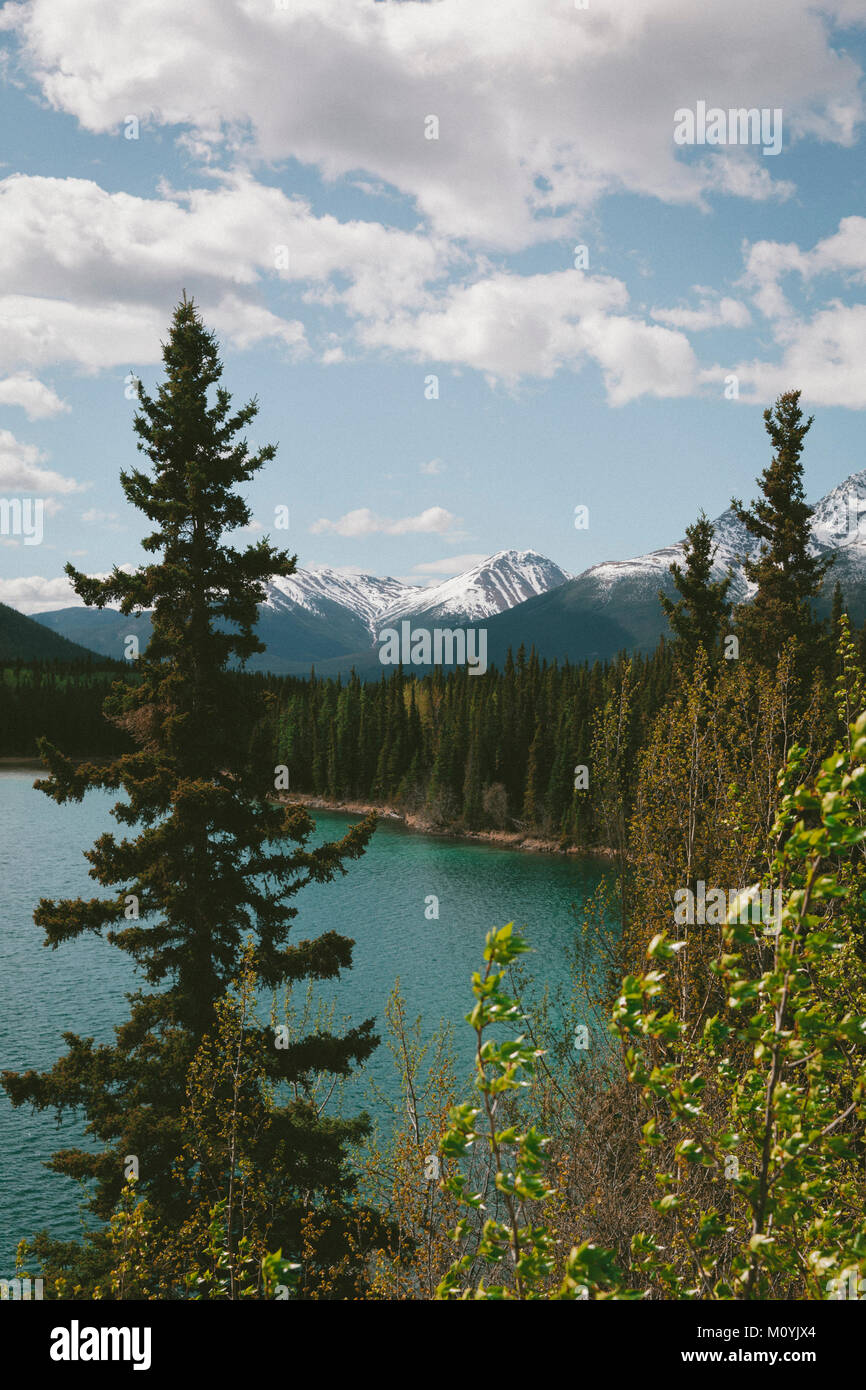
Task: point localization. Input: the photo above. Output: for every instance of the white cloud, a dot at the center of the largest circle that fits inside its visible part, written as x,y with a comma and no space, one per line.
768,262
822,355
528,93
70,236
42,330
363,522
510,326
542,109
432,468
821,352
844,251
89,276
245,325
640,359
34,594
21,469
116,333
713,313
452,564
739,175
36,399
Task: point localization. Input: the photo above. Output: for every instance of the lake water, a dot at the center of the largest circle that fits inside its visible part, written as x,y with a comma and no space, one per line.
380,903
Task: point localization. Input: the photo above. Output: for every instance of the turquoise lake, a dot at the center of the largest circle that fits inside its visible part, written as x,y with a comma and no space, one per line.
380,903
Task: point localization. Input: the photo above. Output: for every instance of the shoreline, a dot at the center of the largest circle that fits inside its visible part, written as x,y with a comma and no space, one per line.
411,820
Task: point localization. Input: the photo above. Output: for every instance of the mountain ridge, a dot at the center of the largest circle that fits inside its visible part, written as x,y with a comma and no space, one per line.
331,618
24,639
323,615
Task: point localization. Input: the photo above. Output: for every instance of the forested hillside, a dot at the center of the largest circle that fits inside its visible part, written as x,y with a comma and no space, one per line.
24,639
498,751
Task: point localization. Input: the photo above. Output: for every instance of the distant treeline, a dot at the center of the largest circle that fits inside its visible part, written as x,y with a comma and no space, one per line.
489,751
63,702
494,751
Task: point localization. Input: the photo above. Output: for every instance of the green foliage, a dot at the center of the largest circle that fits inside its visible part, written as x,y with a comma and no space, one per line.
511,1242
698,617
755,1110
769,1098
214,859
517,1157
496,751
788,576
62,703
143,1268
725,1111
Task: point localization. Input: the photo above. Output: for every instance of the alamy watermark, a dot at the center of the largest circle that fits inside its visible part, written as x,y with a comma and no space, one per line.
23,517
21,1289
736,126
848,1285
77,1343
440,646
715,906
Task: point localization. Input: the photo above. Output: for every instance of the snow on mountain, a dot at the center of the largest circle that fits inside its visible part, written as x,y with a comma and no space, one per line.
614,607
502,581
732,541
838,525
839,521
315,589
499,582
325,615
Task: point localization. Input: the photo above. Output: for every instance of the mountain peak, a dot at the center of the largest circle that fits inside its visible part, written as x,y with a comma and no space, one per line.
839,520
322,593
334,616
493,585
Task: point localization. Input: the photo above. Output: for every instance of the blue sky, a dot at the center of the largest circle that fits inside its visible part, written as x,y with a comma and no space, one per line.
262,128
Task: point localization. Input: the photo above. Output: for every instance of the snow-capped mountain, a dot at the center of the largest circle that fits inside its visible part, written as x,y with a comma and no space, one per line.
732,542
614,606
318,588
500,582
839,521
838,526
331,617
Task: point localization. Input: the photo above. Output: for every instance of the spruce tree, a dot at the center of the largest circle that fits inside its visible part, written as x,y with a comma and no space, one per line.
532,790
472,797
837,609
698,617
215,860
787,576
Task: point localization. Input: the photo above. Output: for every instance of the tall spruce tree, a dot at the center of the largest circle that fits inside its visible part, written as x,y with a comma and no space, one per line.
215,860
787,576
699,615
